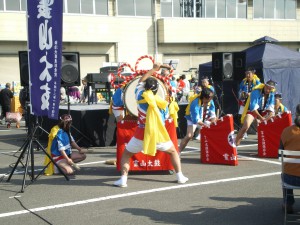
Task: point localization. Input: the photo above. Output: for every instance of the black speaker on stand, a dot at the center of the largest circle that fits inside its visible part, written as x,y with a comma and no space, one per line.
222,66
239,65
24,70
226,86
70,69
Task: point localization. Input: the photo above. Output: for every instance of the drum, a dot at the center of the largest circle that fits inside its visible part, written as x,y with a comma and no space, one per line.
129,95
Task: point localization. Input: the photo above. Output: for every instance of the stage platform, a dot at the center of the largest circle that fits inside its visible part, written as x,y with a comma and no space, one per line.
85,106
92,125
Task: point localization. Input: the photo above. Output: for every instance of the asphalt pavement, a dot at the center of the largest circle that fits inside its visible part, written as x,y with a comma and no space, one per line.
249,193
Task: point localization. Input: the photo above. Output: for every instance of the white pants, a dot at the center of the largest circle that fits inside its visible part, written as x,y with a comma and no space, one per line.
135,145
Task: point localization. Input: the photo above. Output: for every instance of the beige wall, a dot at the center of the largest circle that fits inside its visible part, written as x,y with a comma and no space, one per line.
125,39
118,39
225,31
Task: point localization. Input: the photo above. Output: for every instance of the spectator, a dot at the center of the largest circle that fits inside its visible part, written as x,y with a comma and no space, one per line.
74,94
290,140
186,89
5,100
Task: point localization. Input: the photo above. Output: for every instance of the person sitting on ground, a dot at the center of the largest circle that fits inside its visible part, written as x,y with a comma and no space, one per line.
290,140
279,107
260,105
200,112
63,144
151,133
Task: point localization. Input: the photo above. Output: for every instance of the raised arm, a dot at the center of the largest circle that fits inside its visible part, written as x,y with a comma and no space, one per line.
156,67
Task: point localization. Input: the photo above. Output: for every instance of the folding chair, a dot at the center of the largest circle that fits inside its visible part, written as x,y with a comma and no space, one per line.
289,156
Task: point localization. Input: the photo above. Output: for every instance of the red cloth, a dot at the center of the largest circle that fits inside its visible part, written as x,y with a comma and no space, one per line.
141,162
217,143
269,132
181,84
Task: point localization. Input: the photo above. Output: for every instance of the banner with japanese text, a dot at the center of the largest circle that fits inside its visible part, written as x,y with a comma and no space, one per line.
269,133
217,142
45,55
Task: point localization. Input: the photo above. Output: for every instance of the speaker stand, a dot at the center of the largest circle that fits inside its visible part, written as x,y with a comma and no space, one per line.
78,131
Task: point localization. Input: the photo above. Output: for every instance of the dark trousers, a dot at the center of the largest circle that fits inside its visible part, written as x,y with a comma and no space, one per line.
292,180
5,109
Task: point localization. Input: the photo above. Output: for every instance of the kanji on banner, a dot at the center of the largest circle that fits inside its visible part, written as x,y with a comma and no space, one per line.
217,143
140,161
45,56
269,132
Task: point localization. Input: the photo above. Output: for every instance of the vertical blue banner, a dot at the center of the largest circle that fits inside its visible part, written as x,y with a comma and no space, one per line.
45,55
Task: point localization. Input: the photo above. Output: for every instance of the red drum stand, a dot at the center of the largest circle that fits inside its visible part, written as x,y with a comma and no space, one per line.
217,142
269,132
140,161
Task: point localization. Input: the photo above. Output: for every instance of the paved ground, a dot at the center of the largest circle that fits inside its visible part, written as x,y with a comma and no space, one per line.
249,193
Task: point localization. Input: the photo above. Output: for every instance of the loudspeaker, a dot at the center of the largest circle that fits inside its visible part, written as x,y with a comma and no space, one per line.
70,69
222,66
24,72
239,65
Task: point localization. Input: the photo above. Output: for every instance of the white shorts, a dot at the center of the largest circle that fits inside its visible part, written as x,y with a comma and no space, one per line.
241,110
135,145
118,112
190,123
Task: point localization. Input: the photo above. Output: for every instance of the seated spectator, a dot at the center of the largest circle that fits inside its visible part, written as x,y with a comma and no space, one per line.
290,140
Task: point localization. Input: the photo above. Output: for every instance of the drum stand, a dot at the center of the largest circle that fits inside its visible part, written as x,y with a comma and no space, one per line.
27,148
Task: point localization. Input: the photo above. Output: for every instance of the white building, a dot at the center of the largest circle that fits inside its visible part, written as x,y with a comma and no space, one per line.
123,30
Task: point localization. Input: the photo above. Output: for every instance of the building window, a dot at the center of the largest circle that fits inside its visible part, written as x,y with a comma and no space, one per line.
87,7
73,6
204,8
274,9
1,6
12,5
99,7
23,5
134,7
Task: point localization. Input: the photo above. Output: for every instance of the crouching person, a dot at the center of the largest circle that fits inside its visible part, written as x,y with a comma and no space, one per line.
63,144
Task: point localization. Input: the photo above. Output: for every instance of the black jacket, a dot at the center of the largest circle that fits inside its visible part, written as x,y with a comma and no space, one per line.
5,96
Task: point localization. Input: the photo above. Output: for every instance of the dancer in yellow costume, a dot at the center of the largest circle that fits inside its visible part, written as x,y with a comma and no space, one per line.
260,105
151,133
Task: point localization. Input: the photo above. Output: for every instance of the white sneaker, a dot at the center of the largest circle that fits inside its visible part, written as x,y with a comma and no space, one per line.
245,136
198,137
120,183
182,180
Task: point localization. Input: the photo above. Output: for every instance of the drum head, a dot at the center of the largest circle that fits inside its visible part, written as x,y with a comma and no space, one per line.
129,95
